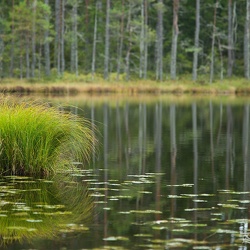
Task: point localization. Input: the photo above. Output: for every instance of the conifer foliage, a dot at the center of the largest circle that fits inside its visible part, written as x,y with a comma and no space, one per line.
156,39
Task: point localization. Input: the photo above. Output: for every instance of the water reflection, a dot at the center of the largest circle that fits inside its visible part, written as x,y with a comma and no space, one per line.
33,209
182,172
167,175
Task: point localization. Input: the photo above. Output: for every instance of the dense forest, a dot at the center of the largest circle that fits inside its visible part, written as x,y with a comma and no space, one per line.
125,39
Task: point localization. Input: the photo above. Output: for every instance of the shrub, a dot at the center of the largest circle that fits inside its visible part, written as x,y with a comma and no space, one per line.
36,139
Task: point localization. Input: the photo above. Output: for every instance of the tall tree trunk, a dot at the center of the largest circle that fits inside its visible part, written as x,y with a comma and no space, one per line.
47,46
145,70
174,39
213,43
127,59
57,50
74,42
21,59
12,43
94,41
230,39
159,73
1,50
196,40
120,48
142,38
247,41
33,39
106,59
27,54
39,60
221,59
59,38
62,35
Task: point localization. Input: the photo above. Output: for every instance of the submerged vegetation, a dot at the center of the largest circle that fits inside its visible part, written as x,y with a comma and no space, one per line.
37,139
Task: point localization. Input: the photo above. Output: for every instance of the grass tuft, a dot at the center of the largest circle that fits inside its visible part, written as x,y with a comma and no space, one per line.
38,140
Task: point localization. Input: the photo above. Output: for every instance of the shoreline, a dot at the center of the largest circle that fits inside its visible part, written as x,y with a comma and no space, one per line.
137,87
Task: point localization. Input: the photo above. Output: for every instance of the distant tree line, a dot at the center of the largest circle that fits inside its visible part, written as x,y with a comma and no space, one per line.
144,39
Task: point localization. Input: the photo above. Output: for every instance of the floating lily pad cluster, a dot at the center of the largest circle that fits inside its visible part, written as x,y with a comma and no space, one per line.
199,220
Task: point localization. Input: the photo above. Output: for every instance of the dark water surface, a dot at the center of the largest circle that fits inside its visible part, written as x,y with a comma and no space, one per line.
167,174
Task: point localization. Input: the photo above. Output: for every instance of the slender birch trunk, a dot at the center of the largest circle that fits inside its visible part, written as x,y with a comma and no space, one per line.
74,42
1,51
57,50
145,70
12,43
196,40
106,56
213,43
59,39
159,43
230,39
62,36
127,59
33,39
120,48
47,46
142,38
247,41
94,41
27,55
174,39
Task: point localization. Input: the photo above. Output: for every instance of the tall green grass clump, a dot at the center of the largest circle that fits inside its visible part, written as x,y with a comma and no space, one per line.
38,140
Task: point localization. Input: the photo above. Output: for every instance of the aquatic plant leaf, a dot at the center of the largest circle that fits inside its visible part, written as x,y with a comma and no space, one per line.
97,195
160,222
33,220
106,208
199,201
224,231
113,238
143,235
159,228
244,201
176,197
181,185
225,205
198,209
189,195
124,212
146,211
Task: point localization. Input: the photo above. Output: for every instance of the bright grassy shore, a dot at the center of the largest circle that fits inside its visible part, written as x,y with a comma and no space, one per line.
70,84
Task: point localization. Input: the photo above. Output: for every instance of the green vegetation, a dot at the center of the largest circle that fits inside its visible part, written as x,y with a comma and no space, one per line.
37,139
140,39
72,85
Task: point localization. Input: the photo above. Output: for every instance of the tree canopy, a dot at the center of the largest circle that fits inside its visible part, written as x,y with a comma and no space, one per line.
128,39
